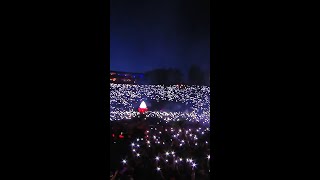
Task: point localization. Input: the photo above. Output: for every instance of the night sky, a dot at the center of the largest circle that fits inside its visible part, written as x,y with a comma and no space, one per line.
149,34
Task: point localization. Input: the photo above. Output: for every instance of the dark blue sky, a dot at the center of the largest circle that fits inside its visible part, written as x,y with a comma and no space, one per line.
149,34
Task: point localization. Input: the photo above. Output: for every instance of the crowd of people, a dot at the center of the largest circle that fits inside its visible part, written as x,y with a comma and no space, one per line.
125,98
173,145
167,151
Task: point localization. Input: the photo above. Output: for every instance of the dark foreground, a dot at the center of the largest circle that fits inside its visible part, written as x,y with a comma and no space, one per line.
154,149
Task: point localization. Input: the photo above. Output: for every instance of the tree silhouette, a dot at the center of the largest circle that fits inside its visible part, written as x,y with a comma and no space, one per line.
170,76
196,76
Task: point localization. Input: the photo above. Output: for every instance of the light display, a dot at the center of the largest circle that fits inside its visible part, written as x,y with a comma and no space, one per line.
188,158
183,149
124,99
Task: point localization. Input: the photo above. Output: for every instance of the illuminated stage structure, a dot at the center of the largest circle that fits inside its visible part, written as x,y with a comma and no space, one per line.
142,108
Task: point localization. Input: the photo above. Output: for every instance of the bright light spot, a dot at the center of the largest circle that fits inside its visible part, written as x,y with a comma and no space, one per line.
124,161
194,165
158,168
143,105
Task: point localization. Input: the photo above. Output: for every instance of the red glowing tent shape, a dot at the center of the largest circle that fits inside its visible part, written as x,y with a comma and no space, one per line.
143,107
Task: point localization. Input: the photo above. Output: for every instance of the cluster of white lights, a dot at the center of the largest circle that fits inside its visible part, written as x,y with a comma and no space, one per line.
168,154
125,99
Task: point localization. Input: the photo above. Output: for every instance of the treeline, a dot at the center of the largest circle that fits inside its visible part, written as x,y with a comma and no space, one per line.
173,76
